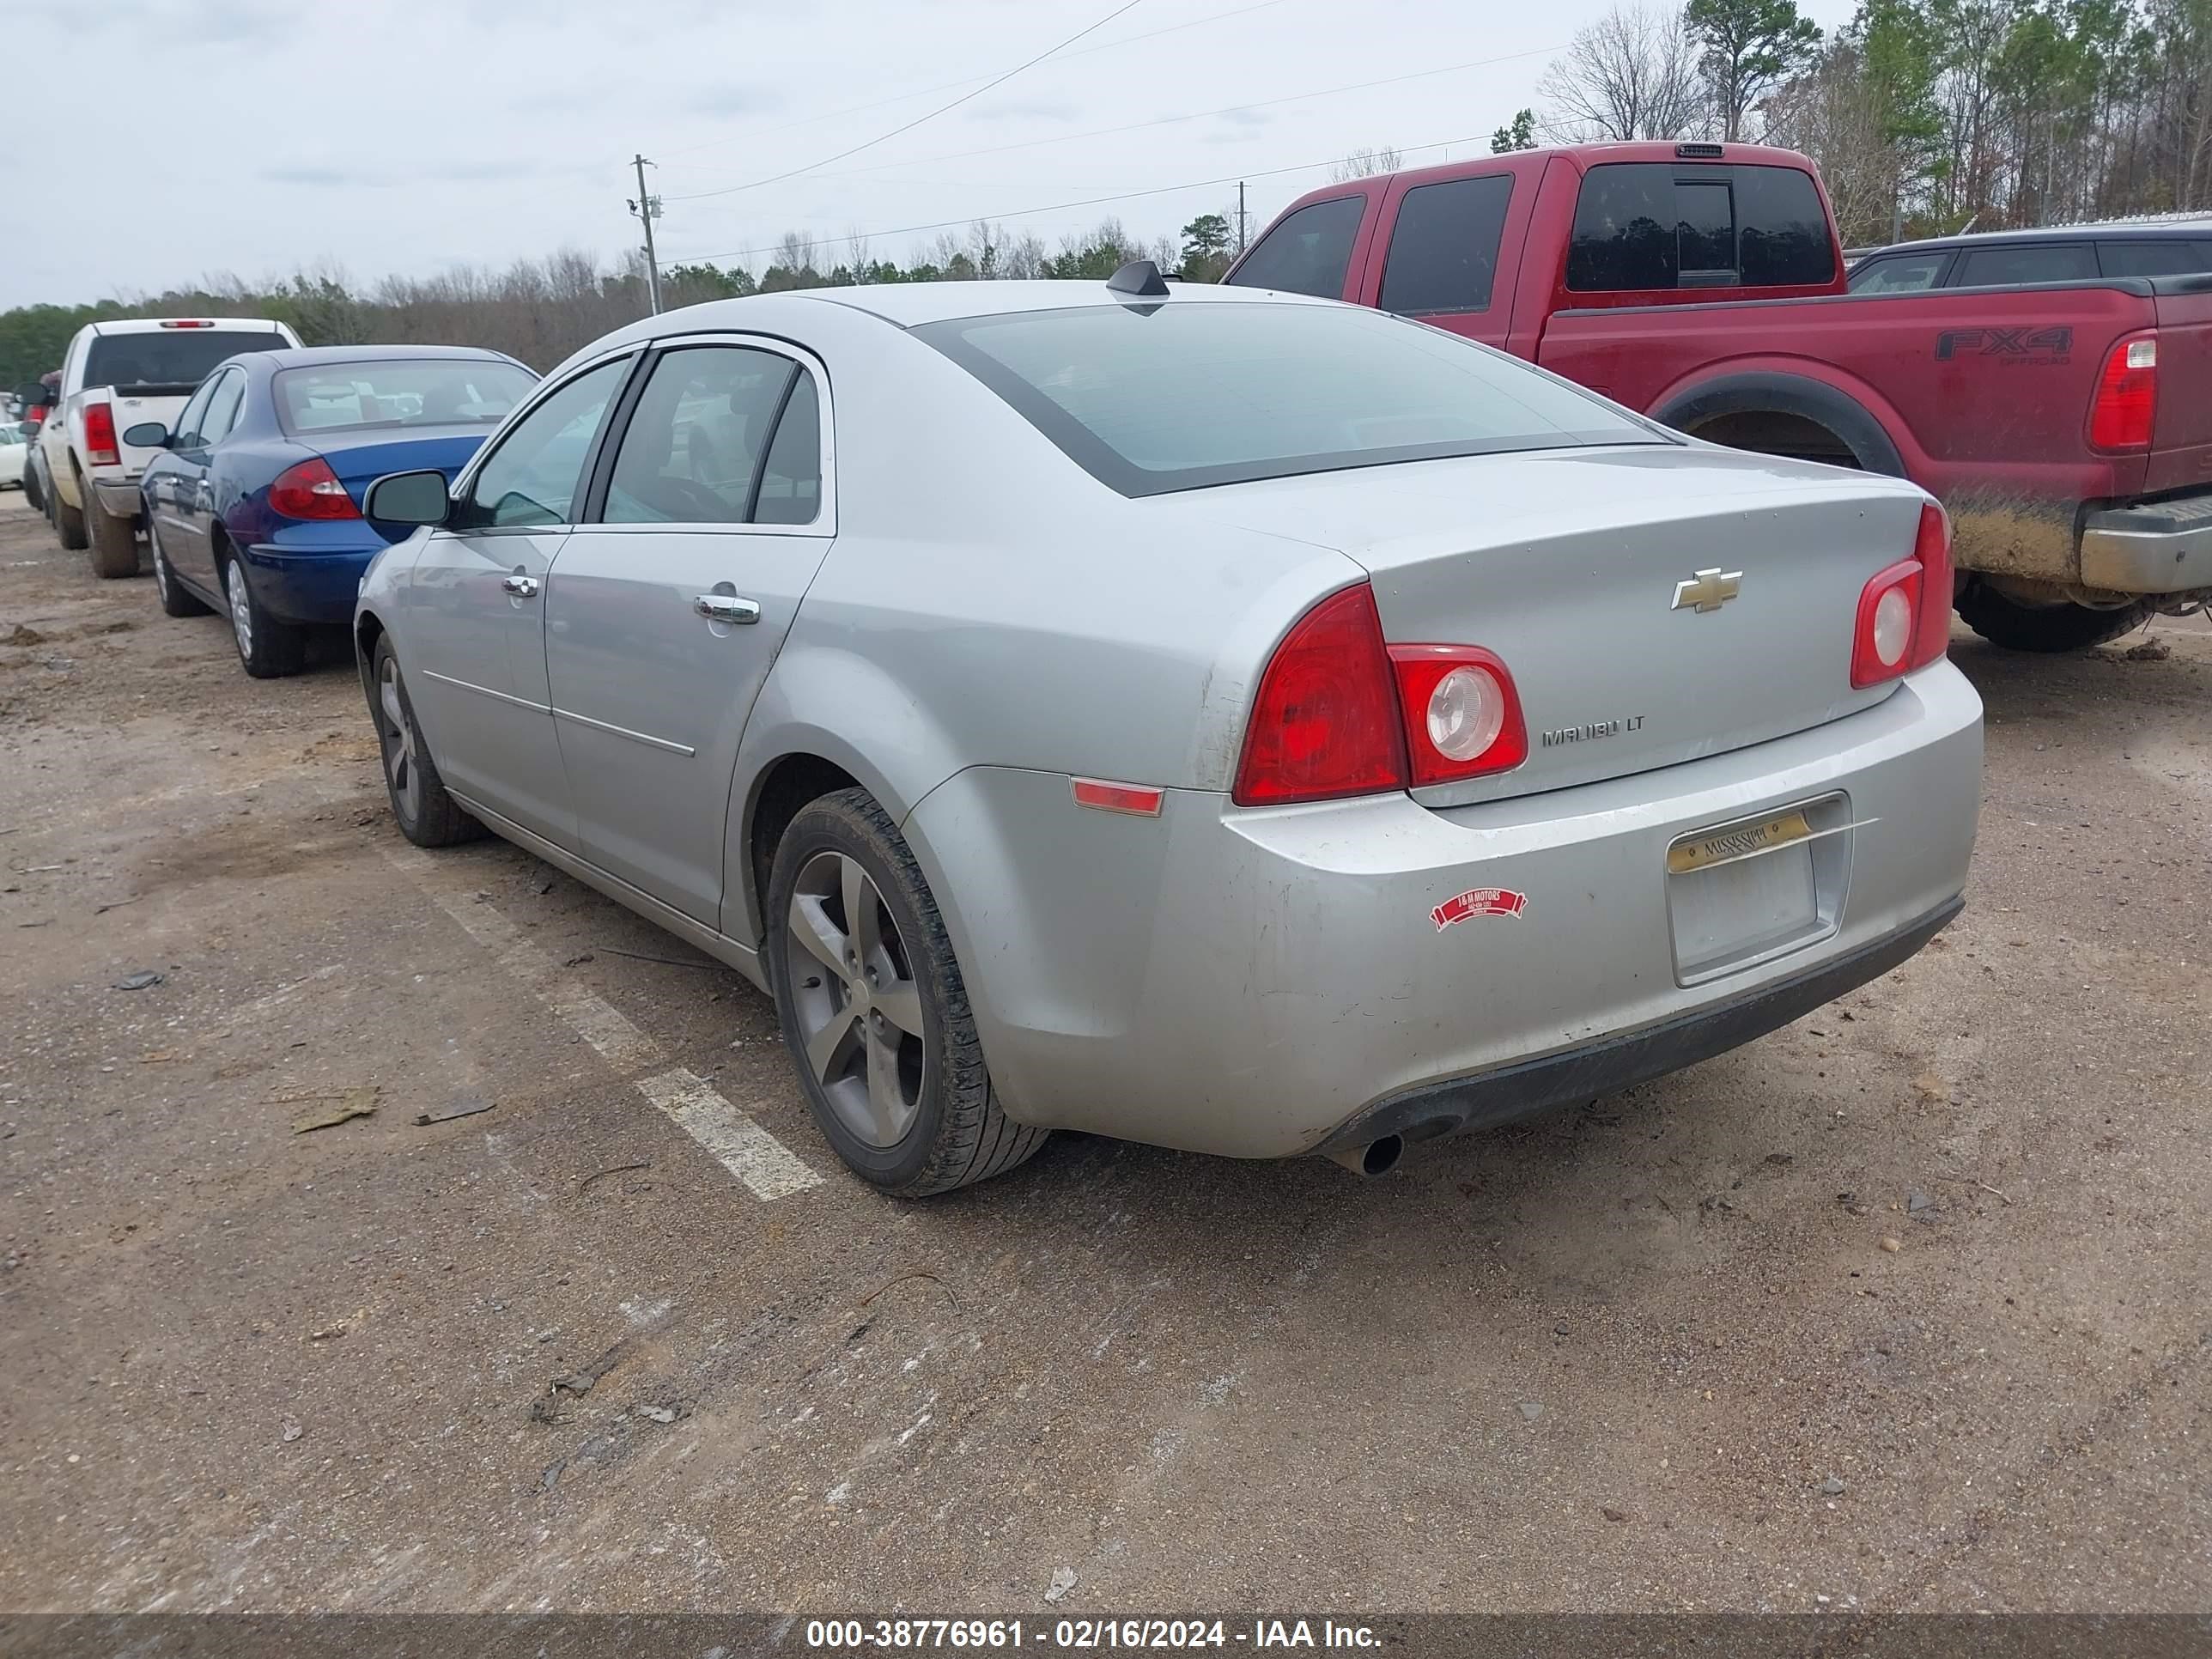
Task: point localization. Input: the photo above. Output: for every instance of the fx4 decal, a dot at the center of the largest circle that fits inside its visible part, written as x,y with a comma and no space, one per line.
2014,345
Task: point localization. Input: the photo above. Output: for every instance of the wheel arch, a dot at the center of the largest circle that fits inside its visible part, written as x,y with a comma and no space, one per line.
1792,403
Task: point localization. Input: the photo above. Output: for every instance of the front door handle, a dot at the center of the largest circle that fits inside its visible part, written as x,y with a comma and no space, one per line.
726,608
522,586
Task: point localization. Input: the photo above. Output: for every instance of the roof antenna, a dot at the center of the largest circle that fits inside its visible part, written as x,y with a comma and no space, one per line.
1140,277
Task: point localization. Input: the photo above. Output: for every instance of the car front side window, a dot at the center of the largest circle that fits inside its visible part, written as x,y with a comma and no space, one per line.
535,475
189,418
222,408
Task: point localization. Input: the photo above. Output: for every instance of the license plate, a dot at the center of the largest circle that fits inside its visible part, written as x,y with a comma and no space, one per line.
1725,846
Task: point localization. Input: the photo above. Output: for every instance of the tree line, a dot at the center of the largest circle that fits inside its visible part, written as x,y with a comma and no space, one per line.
539,311
1926,116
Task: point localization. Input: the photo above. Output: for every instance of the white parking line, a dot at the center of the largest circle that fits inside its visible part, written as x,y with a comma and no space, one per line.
757,1159
763,1165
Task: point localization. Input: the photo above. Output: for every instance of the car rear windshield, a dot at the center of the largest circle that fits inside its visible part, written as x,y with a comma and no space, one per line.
1154,397
169,360
400,392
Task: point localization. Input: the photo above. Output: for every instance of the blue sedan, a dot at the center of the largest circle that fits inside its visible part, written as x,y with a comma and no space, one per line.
254,507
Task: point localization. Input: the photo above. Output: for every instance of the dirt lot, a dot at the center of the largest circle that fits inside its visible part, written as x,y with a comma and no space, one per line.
1903,1308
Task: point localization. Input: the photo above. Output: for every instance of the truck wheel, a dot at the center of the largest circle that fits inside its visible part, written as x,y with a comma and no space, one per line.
69,521
270,649
2046,629
114,541
32,492
873,1008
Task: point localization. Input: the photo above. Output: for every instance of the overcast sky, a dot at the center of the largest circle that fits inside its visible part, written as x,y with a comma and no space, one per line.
185,138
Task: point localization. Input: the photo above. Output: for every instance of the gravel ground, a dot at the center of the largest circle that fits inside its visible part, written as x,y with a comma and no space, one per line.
1902,1308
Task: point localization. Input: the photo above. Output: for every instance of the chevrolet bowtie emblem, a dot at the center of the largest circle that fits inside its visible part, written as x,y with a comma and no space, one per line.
1709,590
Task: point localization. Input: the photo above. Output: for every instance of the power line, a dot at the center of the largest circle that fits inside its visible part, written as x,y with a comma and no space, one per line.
948,86
1159,121
778,178
1089,201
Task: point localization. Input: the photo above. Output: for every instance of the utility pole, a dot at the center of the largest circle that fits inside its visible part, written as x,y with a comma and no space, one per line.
647,208
1239,215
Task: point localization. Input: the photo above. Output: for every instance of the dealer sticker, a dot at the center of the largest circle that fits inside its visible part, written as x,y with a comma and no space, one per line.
1479,901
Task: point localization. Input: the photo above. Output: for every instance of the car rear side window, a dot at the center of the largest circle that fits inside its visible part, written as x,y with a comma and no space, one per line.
693,449
1641,226
1182,395
1309,252
534,475
2165,257
174,361
1906,273
1444,249
2046,262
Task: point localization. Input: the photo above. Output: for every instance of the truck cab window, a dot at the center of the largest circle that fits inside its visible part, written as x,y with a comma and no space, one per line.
1308,252
1641,226
1443,251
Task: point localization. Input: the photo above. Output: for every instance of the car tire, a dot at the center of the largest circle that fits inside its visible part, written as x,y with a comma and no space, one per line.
177,600
69,521
32,492
114,541
2045,628
270,649
921,1116
427,815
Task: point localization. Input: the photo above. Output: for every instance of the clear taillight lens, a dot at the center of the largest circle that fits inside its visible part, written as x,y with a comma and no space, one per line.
1462,712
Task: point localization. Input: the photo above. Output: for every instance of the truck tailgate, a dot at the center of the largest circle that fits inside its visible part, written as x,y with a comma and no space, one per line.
2181,429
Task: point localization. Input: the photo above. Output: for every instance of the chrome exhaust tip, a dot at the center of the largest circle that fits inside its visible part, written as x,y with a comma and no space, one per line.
1377,1157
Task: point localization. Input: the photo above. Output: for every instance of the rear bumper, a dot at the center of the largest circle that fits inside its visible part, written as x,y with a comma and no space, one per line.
118,495
1621,1062
314,588
1267,982
2164,548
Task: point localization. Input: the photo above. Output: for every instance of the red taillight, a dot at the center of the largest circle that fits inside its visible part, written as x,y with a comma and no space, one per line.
1463,713
1932,547
2127,395
311,490
1340,713
1904,619
1325,722
99,436
185,322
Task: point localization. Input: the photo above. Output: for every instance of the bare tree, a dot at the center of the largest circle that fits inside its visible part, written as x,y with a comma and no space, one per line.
1632,74
1832,114
1364,162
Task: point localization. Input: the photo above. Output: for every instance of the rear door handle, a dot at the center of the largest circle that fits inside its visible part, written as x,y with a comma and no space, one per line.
522,586
726,608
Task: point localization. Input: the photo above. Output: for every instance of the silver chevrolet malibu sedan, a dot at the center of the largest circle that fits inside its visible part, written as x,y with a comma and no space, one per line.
1232,721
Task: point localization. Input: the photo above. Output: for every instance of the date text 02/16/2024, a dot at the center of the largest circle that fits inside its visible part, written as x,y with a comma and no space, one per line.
860,1635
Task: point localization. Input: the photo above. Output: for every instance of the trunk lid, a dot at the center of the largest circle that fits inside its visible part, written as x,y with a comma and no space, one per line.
361,458
1567,564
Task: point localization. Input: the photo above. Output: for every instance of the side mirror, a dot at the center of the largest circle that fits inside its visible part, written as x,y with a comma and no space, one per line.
407,498
147,434
47,397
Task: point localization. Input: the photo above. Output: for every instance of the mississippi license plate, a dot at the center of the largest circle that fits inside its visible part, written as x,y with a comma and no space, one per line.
1726,846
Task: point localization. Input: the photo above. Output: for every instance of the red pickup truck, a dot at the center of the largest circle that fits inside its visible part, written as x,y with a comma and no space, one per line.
2068,427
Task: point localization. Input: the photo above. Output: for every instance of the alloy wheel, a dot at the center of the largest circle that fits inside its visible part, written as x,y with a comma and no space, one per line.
241,609
859,1008
396,733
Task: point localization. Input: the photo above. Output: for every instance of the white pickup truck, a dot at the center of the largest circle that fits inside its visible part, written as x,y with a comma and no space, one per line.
114,376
